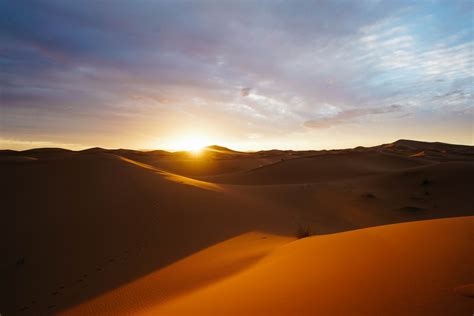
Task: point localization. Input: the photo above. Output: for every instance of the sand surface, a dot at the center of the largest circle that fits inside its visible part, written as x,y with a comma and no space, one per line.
421,268
125,232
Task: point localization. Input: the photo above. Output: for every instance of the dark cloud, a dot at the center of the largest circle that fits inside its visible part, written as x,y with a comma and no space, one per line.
245,91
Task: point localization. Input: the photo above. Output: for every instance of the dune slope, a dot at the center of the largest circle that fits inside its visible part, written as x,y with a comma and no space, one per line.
320,168
185,276
419,268
83,225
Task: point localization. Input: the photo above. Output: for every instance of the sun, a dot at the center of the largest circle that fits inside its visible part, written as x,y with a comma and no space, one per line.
192,143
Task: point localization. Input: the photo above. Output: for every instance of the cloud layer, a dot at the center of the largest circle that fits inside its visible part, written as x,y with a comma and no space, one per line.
130,74
349,115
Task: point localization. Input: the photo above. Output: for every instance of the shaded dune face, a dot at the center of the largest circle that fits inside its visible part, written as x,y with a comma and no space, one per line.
78,225
87,224
321,168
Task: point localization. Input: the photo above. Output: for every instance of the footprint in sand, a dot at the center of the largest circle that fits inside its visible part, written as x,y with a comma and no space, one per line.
465,290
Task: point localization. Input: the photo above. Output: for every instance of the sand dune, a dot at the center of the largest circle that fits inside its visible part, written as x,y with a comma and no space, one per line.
177,178
123,231
83,225
434,151
319,168
16,158
213,160
200,270
405,269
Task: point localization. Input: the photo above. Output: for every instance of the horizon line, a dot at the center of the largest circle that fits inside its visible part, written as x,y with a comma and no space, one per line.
225,147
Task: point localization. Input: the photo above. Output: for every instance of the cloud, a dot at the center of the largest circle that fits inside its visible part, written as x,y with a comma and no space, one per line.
245,92
150,64
349,115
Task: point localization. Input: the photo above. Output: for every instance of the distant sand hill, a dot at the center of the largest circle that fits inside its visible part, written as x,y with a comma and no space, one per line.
121,231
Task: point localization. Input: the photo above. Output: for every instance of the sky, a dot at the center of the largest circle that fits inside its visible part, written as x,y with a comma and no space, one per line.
248,75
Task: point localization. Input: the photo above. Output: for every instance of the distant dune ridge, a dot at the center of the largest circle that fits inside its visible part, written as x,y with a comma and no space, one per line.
117,231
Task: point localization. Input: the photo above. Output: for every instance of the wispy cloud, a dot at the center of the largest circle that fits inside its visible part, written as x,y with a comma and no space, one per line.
346,116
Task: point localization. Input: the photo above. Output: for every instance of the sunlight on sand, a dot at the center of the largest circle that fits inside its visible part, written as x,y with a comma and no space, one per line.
197,271
177,178
394,269
258,273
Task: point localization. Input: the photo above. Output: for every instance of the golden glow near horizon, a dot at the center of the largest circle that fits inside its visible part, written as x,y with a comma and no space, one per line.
193,143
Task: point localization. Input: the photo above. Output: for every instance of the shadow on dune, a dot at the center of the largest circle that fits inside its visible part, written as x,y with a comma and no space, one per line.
88,224
199,270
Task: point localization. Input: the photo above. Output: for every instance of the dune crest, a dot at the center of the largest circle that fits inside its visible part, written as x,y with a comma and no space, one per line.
177,178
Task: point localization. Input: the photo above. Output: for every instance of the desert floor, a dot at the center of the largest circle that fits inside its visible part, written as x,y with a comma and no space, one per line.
111,232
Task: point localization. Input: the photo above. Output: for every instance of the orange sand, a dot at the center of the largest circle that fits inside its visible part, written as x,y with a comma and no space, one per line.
402,269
